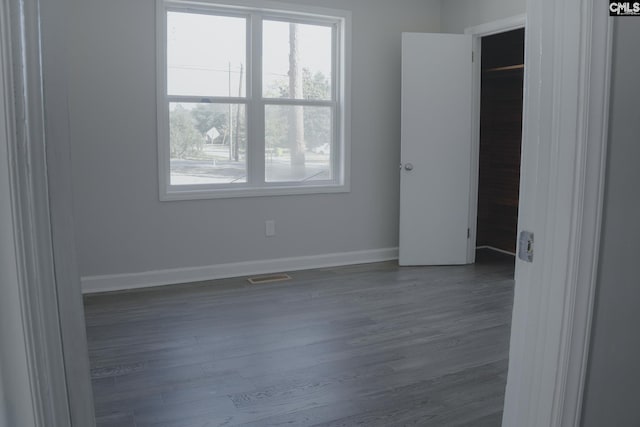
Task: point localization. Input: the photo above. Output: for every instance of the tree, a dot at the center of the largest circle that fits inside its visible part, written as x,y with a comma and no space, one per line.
185,139
296,115
207,116
317,120
276,126
315,86
236,146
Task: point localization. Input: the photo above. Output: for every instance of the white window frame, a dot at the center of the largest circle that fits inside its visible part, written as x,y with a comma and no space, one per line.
256,12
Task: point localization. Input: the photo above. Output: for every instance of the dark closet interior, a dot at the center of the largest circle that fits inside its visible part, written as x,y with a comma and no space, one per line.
500,139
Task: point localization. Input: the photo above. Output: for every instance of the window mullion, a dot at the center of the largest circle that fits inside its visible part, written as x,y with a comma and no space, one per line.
206,99
301,102
256,107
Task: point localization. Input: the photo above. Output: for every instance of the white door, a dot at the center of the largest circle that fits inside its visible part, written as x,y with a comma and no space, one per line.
436,149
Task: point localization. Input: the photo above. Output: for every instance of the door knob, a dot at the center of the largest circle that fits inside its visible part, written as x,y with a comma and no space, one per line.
408,167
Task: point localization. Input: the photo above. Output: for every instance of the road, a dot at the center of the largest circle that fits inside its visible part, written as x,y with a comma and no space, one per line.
220,171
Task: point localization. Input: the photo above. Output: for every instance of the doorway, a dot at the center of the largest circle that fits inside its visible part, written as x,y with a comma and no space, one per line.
440,186
501,80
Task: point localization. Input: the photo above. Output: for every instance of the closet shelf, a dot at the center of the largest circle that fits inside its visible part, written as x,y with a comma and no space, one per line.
507,68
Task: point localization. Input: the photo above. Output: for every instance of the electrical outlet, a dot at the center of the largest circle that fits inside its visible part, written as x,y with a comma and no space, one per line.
270,228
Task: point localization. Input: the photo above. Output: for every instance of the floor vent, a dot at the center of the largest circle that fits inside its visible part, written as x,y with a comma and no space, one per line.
280,277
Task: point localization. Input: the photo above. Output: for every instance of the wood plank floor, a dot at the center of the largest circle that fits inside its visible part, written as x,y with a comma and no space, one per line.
368,345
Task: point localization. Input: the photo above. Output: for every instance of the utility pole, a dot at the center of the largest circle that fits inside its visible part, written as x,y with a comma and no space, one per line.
230,124
236,147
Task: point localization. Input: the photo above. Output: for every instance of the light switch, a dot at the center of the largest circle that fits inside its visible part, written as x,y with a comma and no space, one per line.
270,228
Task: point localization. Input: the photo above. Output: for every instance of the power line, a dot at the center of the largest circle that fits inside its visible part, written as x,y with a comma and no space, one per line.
195,67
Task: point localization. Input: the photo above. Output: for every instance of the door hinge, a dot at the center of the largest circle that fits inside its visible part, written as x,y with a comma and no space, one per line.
468,233
472,57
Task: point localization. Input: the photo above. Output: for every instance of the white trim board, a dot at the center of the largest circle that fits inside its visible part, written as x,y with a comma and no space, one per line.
119,282
499,26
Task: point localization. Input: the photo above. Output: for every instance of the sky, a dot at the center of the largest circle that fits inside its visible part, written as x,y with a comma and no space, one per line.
203,68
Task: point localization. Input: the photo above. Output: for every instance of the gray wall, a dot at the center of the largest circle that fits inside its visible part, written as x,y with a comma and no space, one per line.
612,392
460,14
121,227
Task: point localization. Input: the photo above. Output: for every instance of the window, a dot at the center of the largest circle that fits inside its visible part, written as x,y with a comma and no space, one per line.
251,101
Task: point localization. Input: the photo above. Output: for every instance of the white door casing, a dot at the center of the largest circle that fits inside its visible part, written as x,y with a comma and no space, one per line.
32,46
561,195
477,33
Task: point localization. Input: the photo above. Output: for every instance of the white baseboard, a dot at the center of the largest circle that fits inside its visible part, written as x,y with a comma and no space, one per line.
120,282
491,248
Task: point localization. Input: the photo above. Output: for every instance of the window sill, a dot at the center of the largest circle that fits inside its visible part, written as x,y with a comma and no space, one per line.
229,193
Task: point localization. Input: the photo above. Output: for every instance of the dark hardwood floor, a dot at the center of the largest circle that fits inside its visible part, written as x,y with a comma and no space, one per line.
367,345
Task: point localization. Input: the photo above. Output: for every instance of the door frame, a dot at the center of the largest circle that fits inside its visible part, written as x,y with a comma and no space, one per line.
564,144
37,333
33,48
477,33
553,295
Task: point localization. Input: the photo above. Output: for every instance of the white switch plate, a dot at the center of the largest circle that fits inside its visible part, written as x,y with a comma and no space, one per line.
270,228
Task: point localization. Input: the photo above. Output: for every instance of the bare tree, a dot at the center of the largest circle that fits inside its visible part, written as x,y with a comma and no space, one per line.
236,147
296,115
